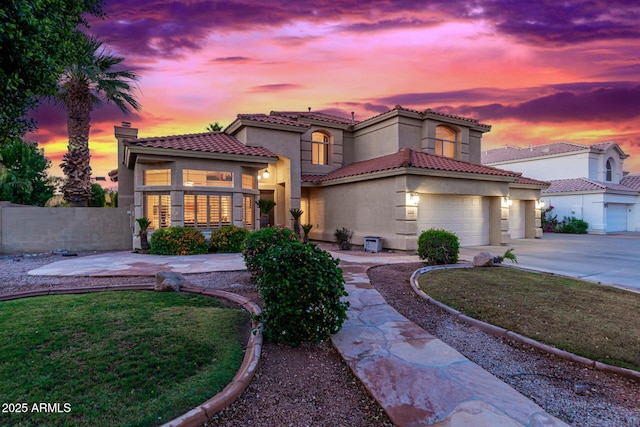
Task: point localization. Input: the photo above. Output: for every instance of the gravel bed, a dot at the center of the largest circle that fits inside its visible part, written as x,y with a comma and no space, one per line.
578,395
311,386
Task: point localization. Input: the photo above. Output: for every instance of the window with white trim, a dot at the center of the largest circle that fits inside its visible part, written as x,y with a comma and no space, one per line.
204,178
320,142
207,210
157,207
445,142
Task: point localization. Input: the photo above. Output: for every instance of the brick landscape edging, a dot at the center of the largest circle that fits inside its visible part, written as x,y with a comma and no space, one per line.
203,412
504,333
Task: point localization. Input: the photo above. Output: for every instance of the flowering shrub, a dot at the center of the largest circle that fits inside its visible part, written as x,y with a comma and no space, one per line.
178,241
438,247
228,239
256,244
549,222
301,286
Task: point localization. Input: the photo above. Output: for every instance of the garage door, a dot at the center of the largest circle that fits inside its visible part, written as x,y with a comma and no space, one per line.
467,216
616,217
517,220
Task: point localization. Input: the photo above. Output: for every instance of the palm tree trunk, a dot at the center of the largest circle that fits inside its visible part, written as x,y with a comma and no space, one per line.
76,165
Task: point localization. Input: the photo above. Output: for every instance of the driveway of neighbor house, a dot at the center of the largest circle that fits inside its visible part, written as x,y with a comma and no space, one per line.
608,259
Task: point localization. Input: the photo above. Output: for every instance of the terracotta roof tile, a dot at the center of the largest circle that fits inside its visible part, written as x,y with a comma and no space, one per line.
510,152
583,184
409,158
208,142
526,180
272,120
430,111
323,117
632,181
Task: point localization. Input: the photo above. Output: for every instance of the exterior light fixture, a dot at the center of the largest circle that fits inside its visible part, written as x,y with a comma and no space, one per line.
412,199
506,202
540,204
266,174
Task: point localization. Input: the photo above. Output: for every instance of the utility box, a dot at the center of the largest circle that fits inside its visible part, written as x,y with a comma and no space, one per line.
372,244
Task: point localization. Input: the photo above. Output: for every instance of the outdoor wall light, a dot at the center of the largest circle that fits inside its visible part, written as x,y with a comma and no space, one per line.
266,174
506,202
412,199
540,204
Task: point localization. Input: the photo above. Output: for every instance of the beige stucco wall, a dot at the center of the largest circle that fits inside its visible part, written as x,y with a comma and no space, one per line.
367,208
35,230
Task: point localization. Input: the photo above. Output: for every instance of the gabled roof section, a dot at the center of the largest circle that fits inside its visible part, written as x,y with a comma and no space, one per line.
407,158
318,116
208,142
632,181
511,153
429,113
575,185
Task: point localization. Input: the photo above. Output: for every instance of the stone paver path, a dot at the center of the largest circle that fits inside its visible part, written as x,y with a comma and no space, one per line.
419,380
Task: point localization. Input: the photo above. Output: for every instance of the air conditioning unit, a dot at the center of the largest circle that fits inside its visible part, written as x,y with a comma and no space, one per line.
372,244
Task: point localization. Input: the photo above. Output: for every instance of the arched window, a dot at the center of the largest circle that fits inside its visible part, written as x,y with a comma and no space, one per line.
445,142
609,169
320,142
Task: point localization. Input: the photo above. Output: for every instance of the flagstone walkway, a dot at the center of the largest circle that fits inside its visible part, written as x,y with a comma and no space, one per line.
418,379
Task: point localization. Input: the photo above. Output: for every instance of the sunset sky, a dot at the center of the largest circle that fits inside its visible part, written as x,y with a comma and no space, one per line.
537,71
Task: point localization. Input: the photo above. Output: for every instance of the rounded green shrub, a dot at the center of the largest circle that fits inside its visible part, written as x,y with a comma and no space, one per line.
178,241
437,247
301,286
256,244
228,239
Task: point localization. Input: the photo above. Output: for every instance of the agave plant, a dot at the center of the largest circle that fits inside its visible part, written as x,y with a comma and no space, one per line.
296,214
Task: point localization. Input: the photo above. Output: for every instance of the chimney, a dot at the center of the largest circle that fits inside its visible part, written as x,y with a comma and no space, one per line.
126,124
353,116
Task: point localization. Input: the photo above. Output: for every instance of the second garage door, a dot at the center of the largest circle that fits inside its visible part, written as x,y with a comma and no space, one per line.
466,216
616,217
517,219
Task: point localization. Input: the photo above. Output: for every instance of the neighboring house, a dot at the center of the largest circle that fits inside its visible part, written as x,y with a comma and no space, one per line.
392,176
587,181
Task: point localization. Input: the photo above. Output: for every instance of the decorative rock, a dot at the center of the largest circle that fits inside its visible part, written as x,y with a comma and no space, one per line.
168,281
582,389
483,259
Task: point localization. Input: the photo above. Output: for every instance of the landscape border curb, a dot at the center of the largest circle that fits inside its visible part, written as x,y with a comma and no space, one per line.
203,412
504,333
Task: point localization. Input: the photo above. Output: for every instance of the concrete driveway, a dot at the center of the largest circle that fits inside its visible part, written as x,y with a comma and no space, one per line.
608,259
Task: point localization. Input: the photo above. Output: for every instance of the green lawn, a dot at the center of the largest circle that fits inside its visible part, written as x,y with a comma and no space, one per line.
127,358
598,322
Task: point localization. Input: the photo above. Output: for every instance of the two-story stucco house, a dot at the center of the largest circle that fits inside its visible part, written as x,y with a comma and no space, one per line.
391,176
587,181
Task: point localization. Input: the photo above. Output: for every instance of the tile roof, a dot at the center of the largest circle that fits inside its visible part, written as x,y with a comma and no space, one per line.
526,180
323,117
632,181
279,120
583,184
409,158
208,142
430,111
509,152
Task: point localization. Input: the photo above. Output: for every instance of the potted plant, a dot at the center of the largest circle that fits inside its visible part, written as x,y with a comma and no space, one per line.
265,207
296,214
144,224
306,228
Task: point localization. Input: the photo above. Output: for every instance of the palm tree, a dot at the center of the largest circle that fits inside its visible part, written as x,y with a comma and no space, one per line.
93,80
